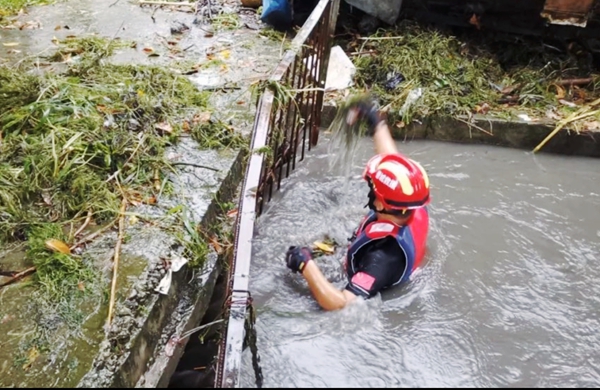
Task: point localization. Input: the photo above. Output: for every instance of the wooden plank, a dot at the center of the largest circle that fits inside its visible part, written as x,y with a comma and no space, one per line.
568,12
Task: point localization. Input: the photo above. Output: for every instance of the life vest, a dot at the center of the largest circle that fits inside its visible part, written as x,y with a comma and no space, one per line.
411,239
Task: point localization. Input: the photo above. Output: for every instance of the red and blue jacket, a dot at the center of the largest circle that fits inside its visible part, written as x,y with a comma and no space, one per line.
411,239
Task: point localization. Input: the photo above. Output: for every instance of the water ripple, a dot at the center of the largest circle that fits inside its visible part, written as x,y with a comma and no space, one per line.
507,297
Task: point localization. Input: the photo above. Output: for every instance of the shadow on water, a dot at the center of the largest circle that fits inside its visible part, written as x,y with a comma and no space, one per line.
507,296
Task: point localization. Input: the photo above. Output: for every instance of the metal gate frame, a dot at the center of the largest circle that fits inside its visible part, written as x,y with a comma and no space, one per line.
286,124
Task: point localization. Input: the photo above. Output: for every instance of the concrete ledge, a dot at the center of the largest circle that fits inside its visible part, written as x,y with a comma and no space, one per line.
135,342
492,131
195,297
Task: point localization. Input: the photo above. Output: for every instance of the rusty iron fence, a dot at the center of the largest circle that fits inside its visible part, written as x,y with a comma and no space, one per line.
286,125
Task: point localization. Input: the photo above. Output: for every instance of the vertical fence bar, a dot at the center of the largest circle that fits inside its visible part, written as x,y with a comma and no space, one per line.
273,133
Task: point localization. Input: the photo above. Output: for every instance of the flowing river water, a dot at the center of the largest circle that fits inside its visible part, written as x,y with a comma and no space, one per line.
508,296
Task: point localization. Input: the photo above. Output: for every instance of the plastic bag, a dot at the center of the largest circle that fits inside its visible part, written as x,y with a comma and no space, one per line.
277,13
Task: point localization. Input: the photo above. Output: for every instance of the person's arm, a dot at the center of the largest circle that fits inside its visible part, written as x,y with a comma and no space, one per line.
378,127
381,265
326,294
382,137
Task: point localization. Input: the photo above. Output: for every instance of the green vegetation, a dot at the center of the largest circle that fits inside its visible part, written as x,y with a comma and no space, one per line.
75,143
475,74
11,7
226,21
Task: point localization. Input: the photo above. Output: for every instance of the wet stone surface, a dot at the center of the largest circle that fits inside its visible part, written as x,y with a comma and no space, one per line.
225,55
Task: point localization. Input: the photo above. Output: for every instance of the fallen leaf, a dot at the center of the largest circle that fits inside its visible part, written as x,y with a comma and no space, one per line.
215,244
579,94
164,127
58,246
324,247
508,90
30,25
32,355
150,200
225,54
232,213
11,44
202,117
593,125
133,220
560,92
483,109
475,21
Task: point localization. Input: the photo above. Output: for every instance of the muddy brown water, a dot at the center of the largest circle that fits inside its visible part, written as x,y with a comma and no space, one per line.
508,295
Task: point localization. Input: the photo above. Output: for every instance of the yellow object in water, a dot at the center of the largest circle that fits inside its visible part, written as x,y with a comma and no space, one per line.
324,247
58,246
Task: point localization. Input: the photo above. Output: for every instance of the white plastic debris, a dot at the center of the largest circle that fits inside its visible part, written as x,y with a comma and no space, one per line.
411,99
340,70
165,283
177,262
524,117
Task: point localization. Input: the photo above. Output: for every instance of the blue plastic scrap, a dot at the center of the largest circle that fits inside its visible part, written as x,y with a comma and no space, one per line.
278,14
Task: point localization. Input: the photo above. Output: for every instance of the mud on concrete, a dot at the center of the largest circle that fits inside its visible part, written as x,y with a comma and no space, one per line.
221,49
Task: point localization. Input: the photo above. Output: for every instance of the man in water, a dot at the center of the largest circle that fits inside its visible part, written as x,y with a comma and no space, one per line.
389,243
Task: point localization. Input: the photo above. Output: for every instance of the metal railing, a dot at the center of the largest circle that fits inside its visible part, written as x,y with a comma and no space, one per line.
286,125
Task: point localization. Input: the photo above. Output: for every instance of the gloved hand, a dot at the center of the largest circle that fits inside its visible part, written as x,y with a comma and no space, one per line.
366,111
297,257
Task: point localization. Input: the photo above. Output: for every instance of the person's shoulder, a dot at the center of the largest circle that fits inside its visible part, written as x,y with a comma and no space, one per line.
380,229
387,244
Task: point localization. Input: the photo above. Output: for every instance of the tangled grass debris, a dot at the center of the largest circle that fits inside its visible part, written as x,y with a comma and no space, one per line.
11,7
75,143
478,74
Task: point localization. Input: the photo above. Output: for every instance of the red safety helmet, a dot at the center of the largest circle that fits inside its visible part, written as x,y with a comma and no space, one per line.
397,181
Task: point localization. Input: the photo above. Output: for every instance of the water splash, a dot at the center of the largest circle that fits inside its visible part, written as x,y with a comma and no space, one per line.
343,145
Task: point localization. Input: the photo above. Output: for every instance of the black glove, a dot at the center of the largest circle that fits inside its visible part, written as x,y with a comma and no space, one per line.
297,257
366,111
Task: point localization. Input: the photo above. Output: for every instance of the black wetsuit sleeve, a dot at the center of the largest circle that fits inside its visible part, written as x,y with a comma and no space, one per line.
380,265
